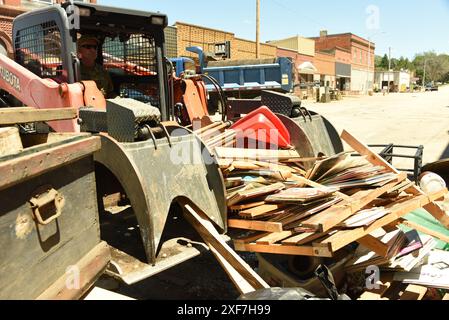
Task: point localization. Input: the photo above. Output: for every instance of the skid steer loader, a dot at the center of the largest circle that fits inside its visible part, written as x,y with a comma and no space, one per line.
150,159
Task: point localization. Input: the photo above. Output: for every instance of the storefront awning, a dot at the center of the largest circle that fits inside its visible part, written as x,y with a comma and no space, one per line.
307,68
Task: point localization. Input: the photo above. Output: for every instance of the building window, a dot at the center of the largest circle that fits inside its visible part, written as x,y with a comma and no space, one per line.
354,57
360,56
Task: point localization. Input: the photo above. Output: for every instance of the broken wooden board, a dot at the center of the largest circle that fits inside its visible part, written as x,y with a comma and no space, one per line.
274,237
20,115
256,154
283,249
333,216
239,271
375,159
245,206
374,244
255,225
303,238
397,210
253,213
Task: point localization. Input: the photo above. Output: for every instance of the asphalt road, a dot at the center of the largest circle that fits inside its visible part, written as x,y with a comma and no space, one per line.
400,118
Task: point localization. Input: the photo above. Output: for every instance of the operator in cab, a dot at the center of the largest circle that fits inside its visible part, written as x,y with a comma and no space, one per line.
90,69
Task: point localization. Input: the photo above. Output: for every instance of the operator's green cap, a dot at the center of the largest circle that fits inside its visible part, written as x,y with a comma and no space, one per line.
85,38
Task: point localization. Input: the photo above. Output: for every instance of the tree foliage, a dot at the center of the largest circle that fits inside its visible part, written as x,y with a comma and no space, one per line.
437,66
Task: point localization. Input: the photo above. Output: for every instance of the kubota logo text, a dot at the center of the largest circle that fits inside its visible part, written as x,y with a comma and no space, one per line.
10,78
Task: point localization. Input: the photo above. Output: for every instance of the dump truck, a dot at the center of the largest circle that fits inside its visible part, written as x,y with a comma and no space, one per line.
152,165
239,78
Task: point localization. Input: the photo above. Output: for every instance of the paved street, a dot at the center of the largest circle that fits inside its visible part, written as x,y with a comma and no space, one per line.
399,118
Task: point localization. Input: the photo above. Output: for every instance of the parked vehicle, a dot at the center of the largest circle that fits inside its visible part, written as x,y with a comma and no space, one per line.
431,87
240,78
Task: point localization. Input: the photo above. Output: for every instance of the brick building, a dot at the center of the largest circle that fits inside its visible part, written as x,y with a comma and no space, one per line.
9,9
362,57
343,68
213,41
325,64
302,52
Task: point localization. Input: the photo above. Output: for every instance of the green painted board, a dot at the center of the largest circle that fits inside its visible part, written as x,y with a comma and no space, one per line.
425,219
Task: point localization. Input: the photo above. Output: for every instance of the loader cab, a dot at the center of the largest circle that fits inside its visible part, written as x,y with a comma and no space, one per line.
131,47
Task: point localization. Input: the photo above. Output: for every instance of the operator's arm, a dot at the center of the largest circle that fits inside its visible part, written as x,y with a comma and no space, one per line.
109,87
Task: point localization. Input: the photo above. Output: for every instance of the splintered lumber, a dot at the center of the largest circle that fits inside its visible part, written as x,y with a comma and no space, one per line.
313,184
397,210
10,116
375,245
239,281
251,238
233,264
375,159
282,249
246,206
256,154
303,238
254,193
213,125
331,217
260,211
255,225
274,237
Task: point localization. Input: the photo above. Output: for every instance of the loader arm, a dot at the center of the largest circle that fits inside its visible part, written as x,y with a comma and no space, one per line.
40,93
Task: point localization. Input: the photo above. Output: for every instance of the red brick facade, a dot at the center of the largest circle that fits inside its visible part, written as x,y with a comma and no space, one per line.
357,46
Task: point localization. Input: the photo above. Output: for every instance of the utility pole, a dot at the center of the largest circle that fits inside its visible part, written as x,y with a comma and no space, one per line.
369,65
257,29
424,77
389,68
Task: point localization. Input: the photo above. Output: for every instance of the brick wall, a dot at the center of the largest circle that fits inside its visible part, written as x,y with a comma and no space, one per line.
325,63
7,15
343,56
358,47
245,49
333,41
192,35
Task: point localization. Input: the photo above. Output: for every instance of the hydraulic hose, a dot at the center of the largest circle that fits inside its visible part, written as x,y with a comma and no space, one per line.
221,94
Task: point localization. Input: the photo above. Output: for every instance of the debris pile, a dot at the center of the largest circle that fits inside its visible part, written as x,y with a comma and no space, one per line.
353,197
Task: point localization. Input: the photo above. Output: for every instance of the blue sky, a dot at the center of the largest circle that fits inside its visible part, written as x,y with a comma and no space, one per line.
408,27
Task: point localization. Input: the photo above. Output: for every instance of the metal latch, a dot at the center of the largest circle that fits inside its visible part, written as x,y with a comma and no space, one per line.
47,202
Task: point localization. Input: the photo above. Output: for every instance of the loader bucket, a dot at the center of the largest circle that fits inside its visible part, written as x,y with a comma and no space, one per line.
156,173
312,136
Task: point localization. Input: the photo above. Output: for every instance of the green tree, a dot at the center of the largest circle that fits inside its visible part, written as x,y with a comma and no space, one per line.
385,62
437,66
